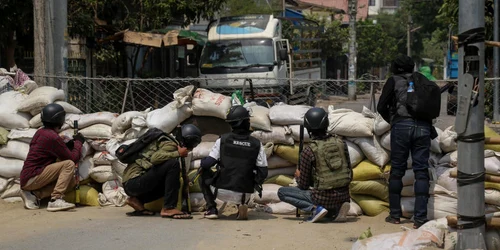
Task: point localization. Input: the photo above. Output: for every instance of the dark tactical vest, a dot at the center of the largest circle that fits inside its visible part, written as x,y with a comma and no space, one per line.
332,168
238,156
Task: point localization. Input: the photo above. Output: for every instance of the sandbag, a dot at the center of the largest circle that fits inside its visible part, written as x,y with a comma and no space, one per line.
36,122
87,120
70,109
279,135
365,171
347,122
231,197
492,165
370,205
207,103
488,132
124,121
289,153
195,164
168,117
10,167
447,140
445,180
10,118
408,178
24,135
101,158
102,173
284,114
408,206
441,205
380,126
132,133
112,194
4,182
280,208
260,117
12,190
202,150
282,180
355,209
97,131
281,171
88,196
355,153
113,144
3,136
385,141
278,162
296,133
84,167
408,191
435,147
268,149
118,167
492,196
15,149
372,149
375,188
269,194
41,97
98,144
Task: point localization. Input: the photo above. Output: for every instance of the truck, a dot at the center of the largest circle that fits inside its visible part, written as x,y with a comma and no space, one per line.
271,59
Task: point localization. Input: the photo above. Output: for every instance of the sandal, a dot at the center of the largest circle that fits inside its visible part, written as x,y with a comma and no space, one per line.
392,220
418,224
144,212
179,216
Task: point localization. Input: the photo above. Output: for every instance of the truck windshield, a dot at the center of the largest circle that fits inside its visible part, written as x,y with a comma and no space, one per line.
230,55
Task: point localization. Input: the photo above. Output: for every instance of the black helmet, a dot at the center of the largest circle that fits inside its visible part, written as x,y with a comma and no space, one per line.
236,115
190,136
402,64
53,114
316,119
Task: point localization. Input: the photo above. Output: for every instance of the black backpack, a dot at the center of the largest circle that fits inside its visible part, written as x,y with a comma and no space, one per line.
424,103
130,153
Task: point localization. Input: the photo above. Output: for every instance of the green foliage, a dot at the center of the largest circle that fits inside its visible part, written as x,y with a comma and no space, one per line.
240,7
334,38
448,13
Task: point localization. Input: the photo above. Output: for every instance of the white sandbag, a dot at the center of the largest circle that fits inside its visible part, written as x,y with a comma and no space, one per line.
10,118
24,135
10,167
447,140
202,150
13,190
70,109
40,97
296,133
408,191
492,196
279,135
385,141
97,131
347,122
98,144
84,167
355,153
283,114
284,171
113,144
168,117
435,147
372,149
15,149
380,126
269,194
102,173
197,201
259,119
207,103
124,121
444,179
280,208
268,149
87,120
231,197
112,194
355,209
118,167
278,162
492,165
408,206
4,182
101,158
131,133
195,164
440,206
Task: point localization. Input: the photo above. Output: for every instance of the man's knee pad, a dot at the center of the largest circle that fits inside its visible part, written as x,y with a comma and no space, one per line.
396,174
422,184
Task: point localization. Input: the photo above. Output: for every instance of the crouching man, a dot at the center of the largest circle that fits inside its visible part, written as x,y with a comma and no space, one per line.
42,176
241,165
324,165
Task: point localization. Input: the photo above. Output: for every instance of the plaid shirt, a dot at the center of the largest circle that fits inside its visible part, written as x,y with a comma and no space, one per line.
332,198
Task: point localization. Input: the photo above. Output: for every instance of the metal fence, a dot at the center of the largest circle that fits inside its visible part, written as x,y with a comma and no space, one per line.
123,94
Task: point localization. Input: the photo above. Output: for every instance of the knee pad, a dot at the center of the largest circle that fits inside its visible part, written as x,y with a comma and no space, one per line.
397,174
422,184
422,175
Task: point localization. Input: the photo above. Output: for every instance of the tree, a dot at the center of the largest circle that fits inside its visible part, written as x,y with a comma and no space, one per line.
16,18
239,7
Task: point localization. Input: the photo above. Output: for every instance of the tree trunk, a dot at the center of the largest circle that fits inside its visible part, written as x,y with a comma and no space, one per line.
10,49
39,32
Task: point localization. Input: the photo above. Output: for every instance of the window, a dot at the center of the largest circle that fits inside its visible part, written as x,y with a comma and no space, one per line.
391,3
371,3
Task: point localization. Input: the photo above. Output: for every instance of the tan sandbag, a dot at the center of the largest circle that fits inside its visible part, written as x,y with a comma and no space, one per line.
347,122
260,117
375,188
124,121
102,173
370,205
88,196
202,150
372,149
279,135
366,170
355,209
279,208
282,180
288,152
86,120
10,118
269,194
97,131
492,220
284,114
290,171
10,167
24,135
13,190
277,162
3,136
208,103
168,117
40,97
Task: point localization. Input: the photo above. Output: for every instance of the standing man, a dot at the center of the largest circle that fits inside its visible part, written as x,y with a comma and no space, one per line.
324,164
408,134
241,164
41,175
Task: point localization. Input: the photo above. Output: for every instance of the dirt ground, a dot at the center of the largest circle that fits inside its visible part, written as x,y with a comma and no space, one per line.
109,228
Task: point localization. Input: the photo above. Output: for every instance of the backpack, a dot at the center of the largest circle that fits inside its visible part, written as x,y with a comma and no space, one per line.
424,103
130,153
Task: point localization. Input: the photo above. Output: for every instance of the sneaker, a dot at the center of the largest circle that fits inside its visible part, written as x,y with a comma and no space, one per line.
342,215
242,212
59,205
317,214
30,201
211,213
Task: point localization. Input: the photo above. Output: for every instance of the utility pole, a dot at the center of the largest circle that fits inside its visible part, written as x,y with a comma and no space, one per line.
351,88
469,125
56,45
496,59
39,41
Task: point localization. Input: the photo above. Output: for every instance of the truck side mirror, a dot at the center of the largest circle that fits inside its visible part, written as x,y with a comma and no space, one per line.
283,55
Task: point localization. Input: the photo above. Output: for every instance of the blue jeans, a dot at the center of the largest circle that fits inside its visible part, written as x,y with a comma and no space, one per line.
410,136
297,197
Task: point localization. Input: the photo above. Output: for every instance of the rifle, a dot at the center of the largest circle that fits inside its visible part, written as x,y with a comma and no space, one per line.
77,186
185,187
301,146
